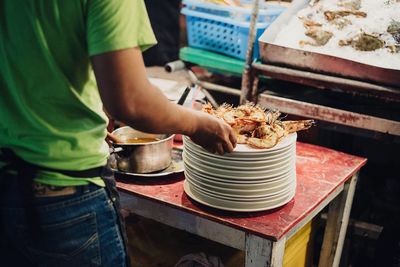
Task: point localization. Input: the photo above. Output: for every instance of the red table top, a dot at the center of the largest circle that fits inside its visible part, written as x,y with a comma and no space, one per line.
319,172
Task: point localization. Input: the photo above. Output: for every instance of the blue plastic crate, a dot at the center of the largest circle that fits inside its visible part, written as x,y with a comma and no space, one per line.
225,29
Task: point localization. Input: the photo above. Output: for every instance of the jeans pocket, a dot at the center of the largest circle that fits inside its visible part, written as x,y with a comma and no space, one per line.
73,242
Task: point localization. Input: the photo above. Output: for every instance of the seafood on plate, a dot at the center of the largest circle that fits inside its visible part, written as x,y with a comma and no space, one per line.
255,126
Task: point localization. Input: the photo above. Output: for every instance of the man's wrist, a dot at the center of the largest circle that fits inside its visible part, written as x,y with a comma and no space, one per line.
191,122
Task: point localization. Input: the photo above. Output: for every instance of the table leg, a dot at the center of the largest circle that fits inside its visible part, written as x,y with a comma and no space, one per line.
261,252
336,225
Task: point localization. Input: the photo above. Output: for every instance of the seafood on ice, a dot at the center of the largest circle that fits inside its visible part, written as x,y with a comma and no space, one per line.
364,31
255,126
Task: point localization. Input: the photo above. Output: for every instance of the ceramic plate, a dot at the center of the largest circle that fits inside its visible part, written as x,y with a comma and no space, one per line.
268,193
235,166
235,205
255,190
248,150
235,174
242,184
266,155
246,162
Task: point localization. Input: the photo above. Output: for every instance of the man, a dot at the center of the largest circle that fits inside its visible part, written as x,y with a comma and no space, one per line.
166,29
57,201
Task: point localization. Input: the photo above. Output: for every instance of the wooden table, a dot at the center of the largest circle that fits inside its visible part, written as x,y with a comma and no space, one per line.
324,177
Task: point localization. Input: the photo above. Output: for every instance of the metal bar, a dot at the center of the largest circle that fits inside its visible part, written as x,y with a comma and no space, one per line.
218,88
212,86
329,114
247,77
323,81
210,98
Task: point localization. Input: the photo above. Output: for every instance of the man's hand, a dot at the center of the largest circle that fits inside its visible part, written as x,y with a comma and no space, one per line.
214,134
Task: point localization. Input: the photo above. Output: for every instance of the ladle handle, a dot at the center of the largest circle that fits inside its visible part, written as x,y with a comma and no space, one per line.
113,138
183,96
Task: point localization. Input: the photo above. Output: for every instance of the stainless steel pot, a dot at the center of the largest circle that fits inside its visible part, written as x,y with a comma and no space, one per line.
142,157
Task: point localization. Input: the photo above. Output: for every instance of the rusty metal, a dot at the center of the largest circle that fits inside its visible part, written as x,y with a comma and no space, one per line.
319,63
210,98
246,79
323,81
219,88
254,89
333,115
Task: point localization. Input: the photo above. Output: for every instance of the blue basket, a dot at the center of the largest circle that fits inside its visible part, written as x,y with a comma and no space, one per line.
225,29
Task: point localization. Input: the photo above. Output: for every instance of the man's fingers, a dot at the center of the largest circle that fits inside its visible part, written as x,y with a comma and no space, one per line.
210,149
233,139
220,149
228,147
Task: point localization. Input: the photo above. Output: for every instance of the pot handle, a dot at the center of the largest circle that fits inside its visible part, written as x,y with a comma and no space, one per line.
115,149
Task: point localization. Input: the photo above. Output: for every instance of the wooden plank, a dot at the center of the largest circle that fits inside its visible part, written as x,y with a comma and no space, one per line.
361,228
336,225
258,251
314,213
184,221
261,252
329,114
278,251
323,81
247,76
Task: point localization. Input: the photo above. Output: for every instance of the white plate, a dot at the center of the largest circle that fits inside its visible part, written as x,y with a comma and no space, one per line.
235,156
248,150
237,178
254,189
232,205
229,165
241,199
244,162
269,193
242,184
255,175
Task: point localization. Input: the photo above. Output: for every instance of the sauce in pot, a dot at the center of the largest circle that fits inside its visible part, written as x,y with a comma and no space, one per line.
140,140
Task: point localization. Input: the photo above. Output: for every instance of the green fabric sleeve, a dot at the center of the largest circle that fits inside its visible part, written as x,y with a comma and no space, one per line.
117,24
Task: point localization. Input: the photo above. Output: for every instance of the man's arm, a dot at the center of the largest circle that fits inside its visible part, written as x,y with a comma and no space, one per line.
129,97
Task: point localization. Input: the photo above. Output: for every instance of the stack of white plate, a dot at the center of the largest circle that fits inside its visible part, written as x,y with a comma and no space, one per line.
248,179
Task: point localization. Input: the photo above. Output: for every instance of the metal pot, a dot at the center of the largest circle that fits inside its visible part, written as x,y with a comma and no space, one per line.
142,157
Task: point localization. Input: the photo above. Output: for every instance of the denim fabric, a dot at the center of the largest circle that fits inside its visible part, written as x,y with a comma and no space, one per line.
77,230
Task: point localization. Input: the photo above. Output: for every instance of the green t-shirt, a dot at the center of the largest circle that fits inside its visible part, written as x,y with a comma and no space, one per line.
51,113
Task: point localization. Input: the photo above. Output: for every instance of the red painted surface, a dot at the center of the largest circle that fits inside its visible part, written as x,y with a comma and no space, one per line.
319,172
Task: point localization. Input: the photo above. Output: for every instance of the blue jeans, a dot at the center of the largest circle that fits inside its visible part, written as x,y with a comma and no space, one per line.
75,230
